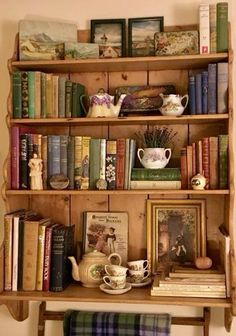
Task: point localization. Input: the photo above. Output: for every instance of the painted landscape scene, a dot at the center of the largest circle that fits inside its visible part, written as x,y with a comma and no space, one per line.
109,38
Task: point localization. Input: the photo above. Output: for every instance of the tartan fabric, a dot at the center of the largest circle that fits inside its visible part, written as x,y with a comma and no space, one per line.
82,323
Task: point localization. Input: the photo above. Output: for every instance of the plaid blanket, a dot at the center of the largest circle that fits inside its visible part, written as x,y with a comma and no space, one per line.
82,323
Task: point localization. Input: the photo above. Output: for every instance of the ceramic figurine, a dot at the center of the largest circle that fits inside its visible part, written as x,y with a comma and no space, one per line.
35,164
198,182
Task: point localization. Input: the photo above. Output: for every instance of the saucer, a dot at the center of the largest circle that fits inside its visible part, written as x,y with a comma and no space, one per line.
140,284
109,290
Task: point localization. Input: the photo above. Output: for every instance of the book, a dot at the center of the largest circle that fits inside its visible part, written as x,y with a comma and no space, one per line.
127,151
78,161
189,165
224,249
102,164
24,159
45,161
222,26
183,168
223,142
94,166
63,154
132,154
68,97
31,93
194,164
25,94
16,94
107,232
62,247
192,95
55,80
213,162
197,275
43,95
111,156
85,162
198,92
53,158
49,95
212,88
61,96
164,174
204,92
206,160
155,184
199,156
71,162
222,87
37,94
213,33
120,164
204,28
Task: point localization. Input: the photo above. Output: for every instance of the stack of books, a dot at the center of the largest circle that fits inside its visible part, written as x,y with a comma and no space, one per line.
190,282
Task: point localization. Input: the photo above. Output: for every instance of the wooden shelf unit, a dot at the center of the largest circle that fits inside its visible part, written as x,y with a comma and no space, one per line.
67,206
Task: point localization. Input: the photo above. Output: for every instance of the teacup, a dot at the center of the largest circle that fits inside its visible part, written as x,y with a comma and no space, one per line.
139,276
138,265
115,282
115,270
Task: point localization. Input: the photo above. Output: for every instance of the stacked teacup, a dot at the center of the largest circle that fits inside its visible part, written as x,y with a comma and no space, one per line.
139,271
115,277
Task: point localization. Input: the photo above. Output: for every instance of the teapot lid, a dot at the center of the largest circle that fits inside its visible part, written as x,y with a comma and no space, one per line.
94,254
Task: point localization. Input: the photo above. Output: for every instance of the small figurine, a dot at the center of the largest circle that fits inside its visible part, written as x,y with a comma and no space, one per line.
198,182
36,165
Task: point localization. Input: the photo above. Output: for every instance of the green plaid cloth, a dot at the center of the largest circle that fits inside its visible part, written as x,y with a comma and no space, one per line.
82,323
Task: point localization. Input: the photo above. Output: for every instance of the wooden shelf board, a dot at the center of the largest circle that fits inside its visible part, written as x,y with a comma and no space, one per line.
117,192
122,64
191,119
77,293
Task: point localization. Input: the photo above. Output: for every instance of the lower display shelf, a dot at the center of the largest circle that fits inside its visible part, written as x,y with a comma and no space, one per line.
77,293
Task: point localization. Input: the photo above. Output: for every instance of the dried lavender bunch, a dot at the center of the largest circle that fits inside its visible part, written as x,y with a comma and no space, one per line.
157,137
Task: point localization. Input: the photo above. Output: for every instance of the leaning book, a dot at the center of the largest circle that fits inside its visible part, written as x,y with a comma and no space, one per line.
106,232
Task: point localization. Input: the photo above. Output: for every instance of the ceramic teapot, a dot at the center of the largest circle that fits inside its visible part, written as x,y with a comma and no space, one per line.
172,104
102,105
154,158
91,269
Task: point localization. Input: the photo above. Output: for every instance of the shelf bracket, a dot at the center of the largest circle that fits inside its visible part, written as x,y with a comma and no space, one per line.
19,310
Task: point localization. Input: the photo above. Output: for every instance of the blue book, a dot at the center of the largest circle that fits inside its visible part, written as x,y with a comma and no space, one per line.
63,154
211,88
53,155
198,92
204,91
191,93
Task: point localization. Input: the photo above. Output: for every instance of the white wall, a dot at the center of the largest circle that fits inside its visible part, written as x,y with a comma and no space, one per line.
80,12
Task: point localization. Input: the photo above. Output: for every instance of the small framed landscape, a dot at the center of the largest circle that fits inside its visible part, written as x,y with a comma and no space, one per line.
110,35
176,232
141,35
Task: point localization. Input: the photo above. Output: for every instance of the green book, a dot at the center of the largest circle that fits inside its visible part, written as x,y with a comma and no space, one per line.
25,94
43,95
94,166
77,91
164,174
223,160
222,26
16,95
61,96
68,99
31,88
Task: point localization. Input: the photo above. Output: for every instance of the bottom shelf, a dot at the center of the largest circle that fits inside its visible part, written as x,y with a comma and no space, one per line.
77,293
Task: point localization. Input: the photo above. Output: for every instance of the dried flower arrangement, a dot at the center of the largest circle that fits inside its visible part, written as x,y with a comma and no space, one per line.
156,137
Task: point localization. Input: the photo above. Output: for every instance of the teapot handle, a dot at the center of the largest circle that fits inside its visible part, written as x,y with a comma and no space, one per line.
186,103
115,255
140,150
167,154
81,98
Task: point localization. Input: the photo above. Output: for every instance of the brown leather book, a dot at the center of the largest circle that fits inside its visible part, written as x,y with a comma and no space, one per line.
206,160
183,168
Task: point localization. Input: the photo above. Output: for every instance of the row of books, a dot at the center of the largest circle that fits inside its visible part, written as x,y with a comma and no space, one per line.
84,160
208,90
209,157
36,252
164,178
36,94
213,27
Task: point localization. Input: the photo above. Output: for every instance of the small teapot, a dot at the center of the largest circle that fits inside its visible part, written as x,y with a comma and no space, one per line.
172,104
102,105
91,269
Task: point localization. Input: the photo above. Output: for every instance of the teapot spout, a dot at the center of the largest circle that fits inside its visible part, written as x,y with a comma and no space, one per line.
75,268
116,108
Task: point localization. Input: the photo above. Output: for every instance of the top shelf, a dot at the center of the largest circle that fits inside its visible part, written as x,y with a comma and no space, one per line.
122,63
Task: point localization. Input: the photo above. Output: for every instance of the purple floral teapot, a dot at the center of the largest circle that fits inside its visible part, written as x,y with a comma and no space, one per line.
102,105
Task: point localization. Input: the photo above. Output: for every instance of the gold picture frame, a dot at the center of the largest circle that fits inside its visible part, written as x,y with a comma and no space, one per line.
176,232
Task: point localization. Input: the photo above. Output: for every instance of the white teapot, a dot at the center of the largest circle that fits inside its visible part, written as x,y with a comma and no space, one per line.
172,104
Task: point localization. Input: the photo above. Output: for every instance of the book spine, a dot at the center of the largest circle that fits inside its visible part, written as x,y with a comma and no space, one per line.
204,92
212,9
20,254
55,154
55,85
8,252
204,28
40,257
199,157
69,251
192,96
223,160
155,184
189,165
127,157
120,164
78,162
103,159
45,160
222,87
43,95
24,179
183,168
49,96
68,101
37,94
198,79
25,94
213,152
194,166
85,163
15,157
74,101
132,153
71,162
31,90
61,96
16,95
167,174
47,257
211,101
111,156
63,154
94,168
206,161
222,26
15,240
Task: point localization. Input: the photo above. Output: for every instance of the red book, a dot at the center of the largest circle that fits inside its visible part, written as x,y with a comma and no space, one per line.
199,156
205,160
183,168
120,164
189,165
194,158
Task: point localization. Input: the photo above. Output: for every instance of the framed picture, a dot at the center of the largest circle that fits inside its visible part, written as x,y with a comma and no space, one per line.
110,35
106,232
141,35
176,232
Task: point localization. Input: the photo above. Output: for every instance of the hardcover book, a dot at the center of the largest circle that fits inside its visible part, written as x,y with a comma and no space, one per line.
94,167
16,94
222,87
192,94
223,160
85,162
111,156
213,162
183,168
213,28
212,91
165,174
106,232
120,164
222,26
204,28
142,184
